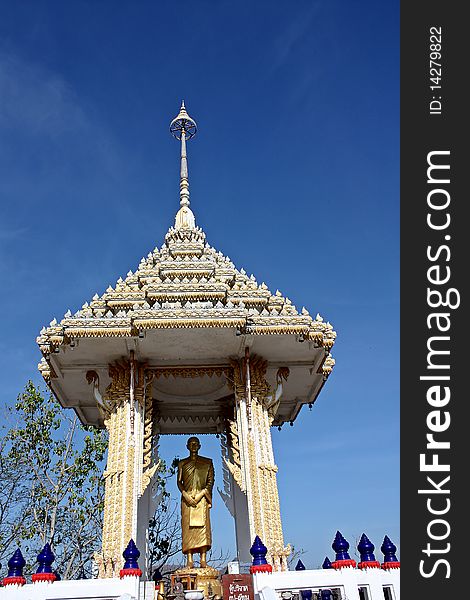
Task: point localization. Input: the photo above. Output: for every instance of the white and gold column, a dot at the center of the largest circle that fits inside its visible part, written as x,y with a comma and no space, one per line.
129,470
252,464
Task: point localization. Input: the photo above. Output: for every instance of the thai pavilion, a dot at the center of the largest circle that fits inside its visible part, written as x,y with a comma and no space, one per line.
188,344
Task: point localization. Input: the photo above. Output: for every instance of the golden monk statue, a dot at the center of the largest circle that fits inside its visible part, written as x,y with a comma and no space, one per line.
195,482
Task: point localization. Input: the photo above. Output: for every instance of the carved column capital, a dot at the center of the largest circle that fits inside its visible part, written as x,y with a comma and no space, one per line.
260,388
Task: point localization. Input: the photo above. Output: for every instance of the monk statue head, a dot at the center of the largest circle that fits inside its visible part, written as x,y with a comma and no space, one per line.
193,444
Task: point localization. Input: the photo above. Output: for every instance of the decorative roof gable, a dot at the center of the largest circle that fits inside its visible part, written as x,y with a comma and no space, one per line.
186,284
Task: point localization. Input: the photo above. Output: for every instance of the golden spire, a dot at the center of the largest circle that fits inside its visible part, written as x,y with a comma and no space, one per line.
184,128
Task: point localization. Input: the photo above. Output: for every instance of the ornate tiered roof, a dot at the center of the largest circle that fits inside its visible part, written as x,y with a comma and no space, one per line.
182,287
186,284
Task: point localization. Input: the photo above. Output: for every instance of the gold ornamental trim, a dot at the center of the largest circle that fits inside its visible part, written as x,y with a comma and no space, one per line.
121,302
194,294
188,323
99,332
191,372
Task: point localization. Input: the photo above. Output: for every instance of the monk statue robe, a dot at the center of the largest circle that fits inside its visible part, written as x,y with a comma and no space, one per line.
195,482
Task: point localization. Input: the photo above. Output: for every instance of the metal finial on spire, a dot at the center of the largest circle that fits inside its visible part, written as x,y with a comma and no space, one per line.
183,128
183,123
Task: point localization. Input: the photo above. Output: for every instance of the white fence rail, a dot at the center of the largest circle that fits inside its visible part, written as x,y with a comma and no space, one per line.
128,588
347,584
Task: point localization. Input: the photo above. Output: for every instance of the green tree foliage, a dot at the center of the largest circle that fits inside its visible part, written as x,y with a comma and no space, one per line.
56,491
13,498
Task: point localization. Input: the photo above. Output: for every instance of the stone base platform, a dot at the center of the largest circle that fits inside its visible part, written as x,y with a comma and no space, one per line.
206,579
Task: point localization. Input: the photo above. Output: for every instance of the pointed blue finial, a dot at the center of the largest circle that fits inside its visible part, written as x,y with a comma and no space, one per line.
16,564
389,549
44,570
45,559
131,555
341,547
258,551
366,549
326,563
15,570
300,566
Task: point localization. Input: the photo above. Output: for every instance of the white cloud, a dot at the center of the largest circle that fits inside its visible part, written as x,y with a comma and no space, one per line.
36,100
7,235
40,109
293,34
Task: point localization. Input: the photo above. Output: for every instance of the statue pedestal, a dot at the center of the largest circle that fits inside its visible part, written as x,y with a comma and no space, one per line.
206,579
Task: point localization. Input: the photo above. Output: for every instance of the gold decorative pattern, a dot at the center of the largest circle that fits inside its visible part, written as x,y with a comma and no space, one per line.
191,372
260,388
234,444
124,449
238,381
236,473
148,470
327,366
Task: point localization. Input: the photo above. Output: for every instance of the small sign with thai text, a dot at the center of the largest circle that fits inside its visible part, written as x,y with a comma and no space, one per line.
238,587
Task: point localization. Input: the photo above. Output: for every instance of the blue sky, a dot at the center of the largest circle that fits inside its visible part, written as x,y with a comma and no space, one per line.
294,174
